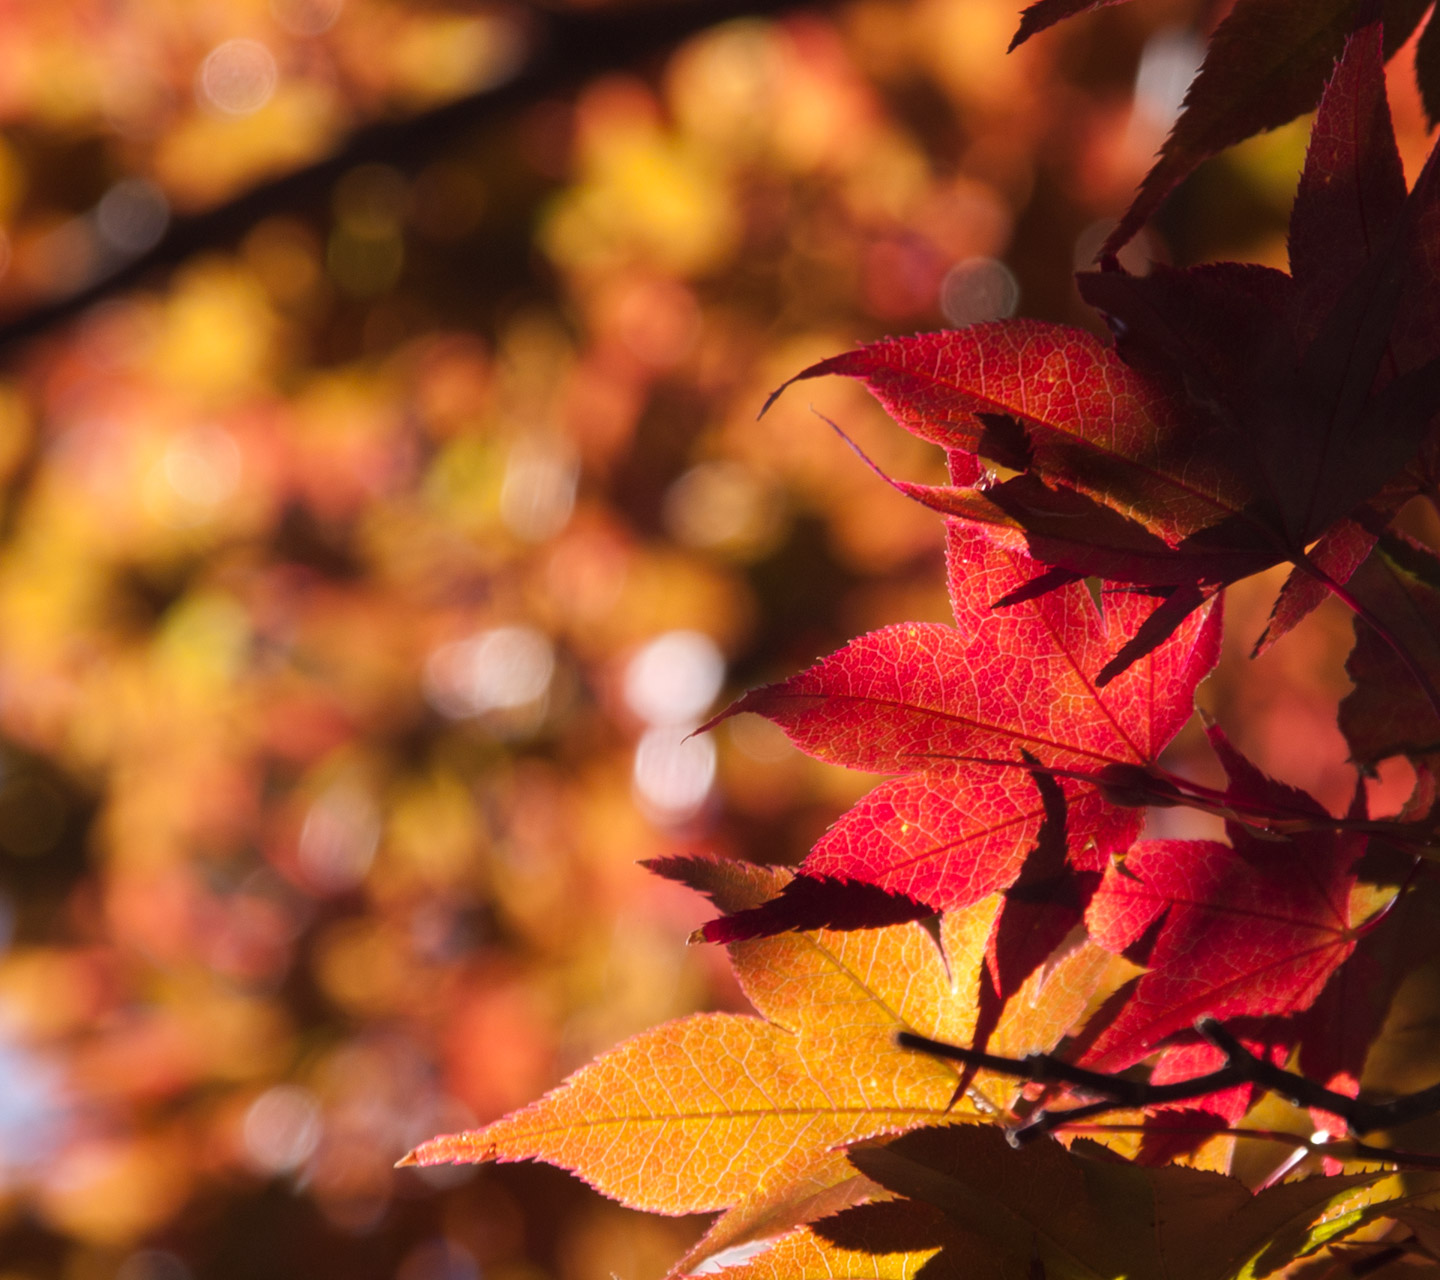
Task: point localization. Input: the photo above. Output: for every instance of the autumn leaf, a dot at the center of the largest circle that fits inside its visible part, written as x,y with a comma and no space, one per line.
1046,13
1086,1213
1255,927
1337,554
1048,400
716,1110
1302,421
817,902
1241,416
959,713
1395,664
901,1240
1267,63
807,1187
1427,69
1335,1034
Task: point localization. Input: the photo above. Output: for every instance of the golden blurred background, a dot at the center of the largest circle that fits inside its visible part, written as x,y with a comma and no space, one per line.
382,504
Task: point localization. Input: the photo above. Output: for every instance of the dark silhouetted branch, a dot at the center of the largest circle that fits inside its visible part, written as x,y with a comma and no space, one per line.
563,50
1114,1093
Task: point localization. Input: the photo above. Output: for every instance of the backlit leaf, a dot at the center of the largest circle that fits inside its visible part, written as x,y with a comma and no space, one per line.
1085,1214
899,1247
1391,710
959,712
713,1110
1267,63
1252,928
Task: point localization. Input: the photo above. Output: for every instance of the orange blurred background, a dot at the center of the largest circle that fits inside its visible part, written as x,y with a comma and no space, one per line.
382,504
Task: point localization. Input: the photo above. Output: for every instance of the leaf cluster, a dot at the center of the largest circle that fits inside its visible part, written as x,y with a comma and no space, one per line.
995,891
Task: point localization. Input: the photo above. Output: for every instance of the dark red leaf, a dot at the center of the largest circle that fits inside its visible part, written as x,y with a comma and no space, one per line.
1253,928
1089,420
1391,711
813,902
732,885
1169,615
1086,1212
1253,792
1337,1031
1427,70
1337,554
1353,185
1267,63
1046,13
1044,905
1084,539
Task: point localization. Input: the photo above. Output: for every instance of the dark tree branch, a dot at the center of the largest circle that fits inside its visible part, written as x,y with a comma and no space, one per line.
564,49
1114,1093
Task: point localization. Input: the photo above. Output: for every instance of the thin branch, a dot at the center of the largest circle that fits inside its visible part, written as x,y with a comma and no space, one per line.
564,49
1115,1093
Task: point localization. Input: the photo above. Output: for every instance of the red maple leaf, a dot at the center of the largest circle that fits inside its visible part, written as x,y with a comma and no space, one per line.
1243,416
962,714
1251,928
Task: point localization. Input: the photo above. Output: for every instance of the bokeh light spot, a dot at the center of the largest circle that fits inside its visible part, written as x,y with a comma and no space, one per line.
538,493
282,1129
237,78
673,680
201,469
504,668
721,506
33,1111
306,17
132,216
1168,64
339,838
673,773
977,290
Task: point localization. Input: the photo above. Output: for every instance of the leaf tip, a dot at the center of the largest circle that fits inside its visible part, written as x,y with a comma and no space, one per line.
814,371
718,718
772,397
468,1147
1111,669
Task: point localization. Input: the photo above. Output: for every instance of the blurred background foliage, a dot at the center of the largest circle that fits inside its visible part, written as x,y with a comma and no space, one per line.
382,503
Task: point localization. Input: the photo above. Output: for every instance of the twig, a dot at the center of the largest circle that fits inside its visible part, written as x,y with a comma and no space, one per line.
567,48
1115,1093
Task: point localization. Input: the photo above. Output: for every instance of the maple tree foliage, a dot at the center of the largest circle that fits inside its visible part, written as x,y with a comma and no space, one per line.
385,507
987,939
